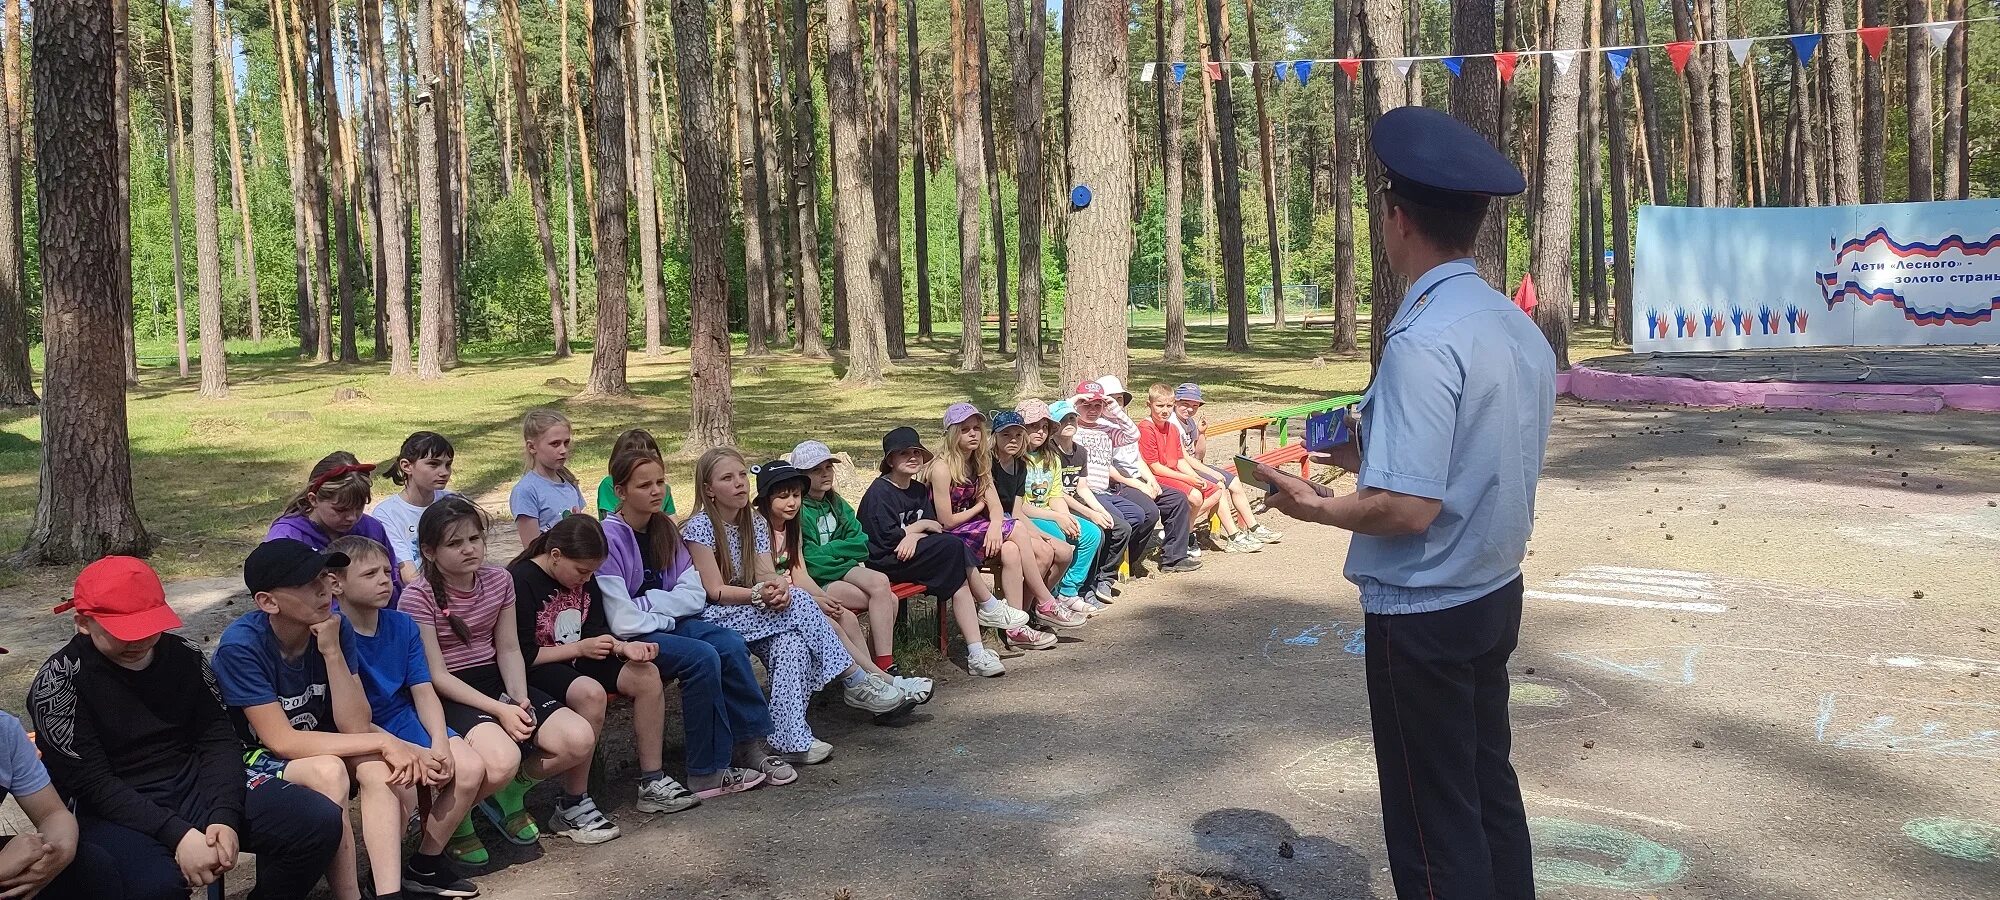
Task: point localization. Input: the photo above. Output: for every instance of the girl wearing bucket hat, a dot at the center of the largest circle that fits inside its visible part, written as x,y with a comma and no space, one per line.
1050,509
969,507
907,544
1054,553
781,490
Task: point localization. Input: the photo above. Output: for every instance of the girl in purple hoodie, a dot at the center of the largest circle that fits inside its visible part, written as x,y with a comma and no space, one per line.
330,508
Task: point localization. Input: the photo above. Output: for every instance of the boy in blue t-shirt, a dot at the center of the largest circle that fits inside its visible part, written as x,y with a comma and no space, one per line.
41,860
396,675
288,671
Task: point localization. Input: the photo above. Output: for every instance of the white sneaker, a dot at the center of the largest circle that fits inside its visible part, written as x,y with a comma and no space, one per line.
818,752
584,823
984,663
1079,606
1002,616
874,695
665,795
918,689
1266,535
1194,552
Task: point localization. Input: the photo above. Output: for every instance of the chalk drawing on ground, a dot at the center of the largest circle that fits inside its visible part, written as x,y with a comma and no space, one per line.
1661,665
1323,776
1541,799
1569,853
1964,839
1899,725
1538,701
1930,535
1315,644
1675,665
1697,592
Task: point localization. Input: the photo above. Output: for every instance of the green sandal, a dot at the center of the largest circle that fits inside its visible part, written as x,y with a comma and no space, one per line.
518,827
465,846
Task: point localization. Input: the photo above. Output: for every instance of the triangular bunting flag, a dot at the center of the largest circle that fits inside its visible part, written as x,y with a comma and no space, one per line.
1403,67
1504,64
1618,60
1244,67
1278,70
1180,72
1874,39
1455,63
1678,52
1740,48
1563,59
1804,45
1524,297
1352,67
1214,70
1303,70
1146,74
1941,34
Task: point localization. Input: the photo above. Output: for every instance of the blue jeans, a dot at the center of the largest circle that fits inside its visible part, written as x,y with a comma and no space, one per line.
1088,538
721,701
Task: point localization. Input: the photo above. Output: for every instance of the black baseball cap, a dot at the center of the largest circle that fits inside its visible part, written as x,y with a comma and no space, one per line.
284,563
899,440
776,474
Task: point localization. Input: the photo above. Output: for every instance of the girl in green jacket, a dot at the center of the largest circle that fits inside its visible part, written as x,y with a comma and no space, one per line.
836,548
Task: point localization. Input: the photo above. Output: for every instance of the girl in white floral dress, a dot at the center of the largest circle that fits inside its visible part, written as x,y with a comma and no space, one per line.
781,623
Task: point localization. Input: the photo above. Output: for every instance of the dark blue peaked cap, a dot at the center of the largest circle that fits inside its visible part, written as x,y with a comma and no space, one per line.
1435,160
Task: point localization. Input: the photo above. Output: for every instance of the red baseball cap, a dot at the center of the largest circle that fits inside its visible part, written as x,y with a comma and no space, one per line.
1090,390
124,595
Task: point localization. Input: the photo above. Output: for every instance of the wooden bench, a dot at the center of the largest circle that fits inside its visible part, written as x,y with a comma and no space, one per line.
1242,427
907,591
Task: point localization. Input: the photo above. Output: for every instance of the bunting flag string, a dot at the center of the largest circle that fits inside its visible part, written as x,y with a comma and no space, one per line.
1873,39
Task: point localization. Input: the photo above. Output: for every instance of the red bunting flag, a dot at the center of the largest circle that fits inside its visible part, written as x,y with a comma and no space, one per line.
1352,67
1504,62
1524,296
1214,70
1874,39
1679,51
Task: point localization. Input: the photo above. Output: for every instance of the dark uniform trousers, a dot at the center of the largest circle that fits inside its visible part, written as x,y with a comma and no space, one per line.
1437,698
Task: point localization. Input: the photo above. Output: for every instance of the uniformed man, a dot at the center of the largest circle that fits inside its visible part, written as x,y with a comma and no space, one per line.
1448,450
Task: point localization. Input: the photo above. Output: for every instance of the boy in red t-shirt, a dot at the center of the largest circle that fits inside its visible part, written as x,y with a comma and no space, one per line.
1160,446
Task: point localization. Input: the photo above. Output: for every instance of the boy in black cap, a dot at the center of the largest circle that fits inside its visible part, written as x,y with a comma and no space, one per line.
1453,432
134,734
287,673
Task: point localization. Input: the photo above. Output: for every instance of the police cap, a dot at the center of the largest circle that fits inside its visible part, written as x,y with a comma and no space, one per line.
1435,160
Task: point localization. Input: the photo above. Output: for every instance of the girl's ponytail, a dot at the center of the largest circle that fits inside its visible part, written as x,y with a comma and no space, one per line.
433,529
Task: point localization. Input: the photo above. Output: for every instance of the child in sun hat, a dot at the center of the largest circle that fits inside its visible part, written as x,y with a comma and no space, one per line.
968,506
907,544
1160,447
1187,419
1048,508
1082,487
1049,556
835,548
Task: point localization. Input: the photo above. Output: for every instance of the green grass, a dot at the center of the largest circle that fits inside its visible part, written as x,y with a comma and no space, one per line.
210,476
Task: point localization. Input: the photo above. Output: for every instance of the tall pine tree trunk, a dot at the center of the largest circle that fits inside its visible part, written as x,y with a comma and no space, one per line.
1550,257
886,162
84,509
1917,103
1956,137
1028,32
919,174
1175,176
645,184
171,97
805,173
207,217
1229,211
1475,100
534,149
1874,109
1837,80
1590,183
391,223
1100,155
968,159
430,203
17,377
321,262
847,108
336,179
757,244
1267,161
607,358
783,274
1346,298
1698,110
1621,179
988,146
709,423
1722,126
1658,185
1382,90
239,188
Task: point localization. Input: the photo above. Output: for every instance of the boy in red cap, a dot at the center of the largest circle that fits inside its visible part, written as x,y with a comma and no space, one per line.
134,734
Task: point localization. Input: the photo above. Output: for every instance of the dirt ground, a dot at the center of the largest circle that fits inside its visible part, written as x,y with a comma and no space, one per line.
1760,661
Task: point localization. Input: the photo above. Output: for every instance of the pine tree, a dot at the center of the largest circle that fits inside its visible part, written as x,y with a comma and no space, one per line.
1100,156
207,220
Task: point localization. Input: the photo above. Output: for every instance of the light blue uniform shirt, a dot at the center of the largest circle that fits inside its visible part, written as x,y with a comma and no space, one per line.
1459,412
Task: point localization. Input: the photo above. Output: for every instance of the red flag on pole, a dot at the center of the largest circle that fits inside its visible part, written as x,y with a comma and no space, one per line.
1352,67
1504,62
1524,296
1874,39
1679,51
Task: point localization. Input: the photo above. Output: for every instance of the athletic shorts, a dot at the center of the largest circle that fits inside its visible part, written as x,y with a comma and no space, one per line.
1228,478
554,679
486,680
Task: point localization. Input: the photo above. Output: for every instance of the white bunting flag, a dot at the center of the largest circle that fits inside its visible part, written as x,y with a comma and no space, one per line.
1563,59
1245,68
1147,75
1740,48
1403,67
1941,34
